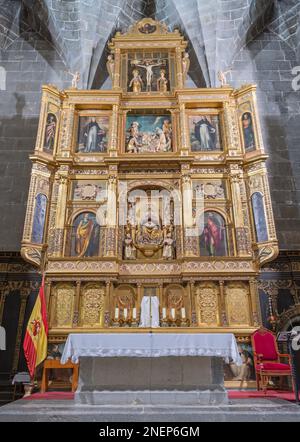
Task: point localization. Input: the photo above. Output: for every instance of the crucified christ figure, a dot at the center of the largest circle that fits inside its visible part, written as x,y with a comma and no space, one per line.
149,72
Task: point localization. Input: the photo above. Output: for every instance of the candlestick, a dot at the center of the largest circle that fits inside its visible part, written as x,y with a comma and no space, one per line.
173,313
164,313
125,313
183,313
134,313
117,313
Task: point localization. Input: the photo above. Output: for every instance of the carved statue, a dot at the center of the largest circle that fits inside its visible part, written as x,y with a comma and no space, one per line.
110,66
75,79
130,251
149,71
186,62
168,249
136,82
222,77
162,82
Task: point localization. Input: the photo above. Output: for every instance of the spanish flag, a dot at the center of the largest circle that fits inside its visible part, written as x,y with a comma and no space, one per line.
35,341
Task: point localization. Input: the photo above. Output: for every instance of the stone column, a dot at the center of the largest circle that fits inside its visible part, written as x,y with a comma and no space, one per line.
107,309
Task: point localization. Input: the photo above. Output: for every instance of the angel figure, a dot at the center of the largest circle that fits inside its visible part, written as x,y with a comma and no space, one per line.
186,62
110,66
75,79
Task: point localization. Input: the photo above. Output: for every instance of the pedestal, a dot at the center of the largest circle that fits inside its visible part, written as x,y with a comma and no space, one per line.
151,381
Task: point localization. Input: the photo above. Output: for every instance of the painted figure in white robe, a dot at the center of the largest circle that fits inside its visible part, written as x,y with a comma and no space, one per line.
168,250
129,247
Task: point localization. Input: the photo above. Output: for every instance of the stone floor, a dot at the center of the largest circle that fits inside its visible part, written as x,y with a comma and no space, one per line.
248,410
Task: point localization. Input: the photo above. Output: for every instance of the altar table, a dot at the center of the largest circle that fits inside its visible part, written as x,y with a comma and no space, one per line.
151,368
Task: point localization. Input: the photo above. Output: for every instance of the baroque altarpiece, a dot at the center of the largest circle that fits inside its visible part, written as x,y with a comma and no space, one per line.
150,189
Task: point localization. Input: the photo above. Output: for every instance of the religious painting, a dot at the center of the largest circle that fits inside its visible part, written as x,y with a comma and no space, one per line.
147,28
89,190
50,132
205,133
85,236
241,375
148,73
93,134
209,189
148,134
248,131
213,240
259,216
39,218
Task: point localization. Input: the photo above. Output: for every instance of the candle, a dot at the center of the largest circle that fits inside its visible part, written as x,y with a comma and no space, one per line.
117,313
173,313
164,312
134,313
125,313
183,313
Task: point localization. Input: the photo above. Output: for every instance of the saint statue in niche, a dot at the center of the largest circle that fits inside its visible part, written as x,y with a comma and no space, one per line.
136,82
86,235
50,132
149,231
162,82
168,249
249,138
130,251
213,238
110,65
186,62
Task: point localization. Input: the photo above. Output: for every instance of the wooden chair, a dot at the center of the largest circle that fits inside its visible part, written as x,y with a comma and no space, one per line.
267,359
55,363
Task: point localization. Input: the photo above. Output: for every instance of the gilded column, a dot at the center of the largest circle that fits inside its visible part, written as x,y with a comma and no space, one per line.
241,232
255,302
117,56
111,225
139,297
223,318
60,210
190,238
194,321
114,131
76,304
184,148
107,309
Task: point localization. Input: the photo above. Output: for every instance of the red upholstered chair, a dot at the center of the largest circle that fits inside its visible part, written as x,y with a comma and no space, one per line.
267,359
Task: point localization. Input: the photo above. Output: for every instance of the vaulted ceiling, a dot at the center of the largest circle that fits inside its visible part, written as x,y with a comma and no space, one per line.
216,29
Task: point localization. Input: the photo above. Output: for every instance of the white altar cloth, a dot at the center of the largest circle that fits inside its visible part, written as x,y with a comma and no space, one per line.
150,345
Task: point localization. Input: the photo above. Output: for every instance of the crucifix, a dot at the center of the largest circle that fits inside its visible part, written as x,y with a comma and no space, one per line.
149,71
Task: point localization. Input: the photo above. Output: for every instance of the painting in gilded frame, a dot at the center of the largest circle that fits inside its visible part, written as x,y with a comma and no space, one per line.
93,132
213,240
50,133
149,134
205,134
85,236
39,218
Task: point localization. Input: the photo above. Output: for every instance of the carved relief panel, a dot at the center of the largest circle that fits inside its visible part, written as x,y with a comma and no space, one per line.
92,306
237,295
64,295
207,304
